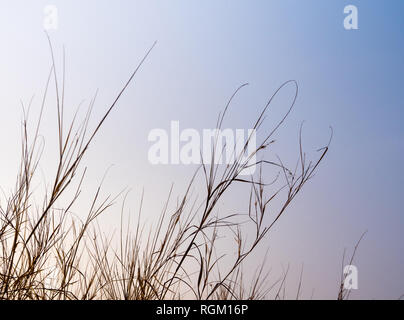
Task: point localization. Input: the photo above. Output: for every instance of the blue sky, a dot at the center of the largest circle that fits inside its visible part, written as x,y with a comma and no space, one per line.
350,80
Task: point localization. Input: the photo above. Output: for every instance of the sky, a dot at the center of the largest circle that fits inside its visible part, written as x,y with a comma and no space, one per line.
350,80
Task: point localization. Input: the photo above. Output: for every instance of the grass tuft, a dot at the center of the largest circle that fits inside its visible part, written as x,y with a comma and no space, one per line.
45,253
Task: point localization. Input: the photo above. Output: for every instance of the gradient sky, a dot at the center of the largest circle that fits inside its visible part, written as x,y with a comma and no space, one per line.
350,80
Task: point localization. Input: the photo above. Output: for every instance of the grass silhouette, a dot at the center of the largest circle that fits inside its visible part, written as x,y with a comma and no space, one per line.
45,253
